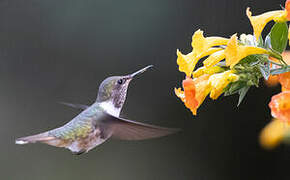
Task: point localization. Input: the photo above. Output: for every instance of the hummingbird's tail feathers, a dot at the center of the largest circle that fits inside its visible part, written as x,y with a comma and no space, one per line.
77,106
42,137
130,130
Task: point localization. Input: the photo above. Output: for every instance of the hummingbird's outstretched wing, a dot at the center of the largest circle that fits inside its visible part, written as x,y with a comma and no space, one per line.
77,106
130,130
93,127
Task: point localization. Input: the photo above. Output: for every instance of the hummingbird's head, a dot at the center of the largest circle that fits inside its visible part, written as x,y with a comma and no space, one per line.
113,89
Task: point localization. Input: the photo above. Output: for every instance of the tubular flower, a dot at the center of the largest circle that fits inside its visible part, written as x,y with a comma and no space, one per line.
287,7
187,62
273,133
273,80
200,43
284,89
284,80
234,52
188,96
214,58
204,70
259,22
280,106
219,81
289,34
189,92
195,91
202,90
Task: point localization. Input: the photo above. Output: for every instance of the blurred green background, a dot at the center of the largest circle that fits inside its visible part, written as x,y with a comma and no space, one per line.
60,50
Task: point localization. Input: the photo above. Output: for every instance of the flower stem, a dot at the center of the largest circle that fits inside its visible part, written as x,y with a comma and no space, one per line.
278,64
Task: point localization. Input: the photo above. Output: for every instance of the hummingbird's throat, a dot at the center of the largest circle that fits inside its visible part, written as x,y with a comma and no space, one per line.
110,108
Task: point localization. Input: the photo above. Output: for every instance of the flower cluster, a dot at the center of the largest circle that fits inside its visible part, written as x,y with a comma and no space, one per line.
232,65
278,130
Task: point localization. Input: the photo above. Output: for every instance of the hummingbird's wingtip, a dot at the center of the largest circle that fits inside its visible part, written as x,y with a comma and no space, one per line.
20,142
149,67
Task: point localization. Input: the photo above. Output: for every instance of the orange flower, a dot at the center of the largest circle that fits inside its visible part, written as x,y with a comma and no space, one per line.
189,92
274,79
280,106
195,91
287,7
188,96
284,80
284,89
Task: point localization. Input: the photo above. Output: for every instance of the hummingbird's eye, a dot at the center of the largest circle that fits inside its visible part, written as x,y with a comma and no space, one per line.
120,81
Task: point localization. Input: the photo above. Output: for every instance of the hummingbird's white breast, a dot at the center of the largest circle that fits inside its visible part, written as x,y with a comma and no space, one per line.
109,107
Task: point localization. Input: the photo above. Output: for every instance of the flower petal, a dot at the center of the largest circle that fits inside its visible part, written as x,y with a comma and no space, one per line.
234,52
189,92
287,7
179,93
204,70
280,106
259,22
272,81
188,95
214,58
289,34
200,43
273,133
202,89
188,62
284,80
219,81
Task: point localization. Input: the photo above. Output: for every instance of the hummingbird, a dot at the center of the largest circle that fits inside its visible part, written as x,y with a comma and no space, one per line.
100,121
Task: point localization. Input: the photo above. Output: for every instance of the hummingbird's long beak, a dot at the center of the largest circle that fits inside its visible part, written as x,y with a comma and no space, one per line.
140,71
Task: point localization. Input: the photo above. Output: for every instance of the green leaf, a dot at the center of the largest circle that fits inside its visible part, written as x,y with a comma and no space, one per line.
243,93
279,36
234,87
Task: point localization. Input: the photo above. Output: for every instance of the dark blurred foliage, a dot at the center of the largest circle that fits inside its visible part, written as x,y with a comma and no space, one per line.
60,50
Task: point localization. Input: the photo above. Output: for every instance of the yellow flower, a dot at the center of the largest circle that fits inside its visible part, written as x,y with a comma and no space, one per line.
234,52
200,43
219,81
214,58
273,133
259,22
187,62
289,34
204,70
